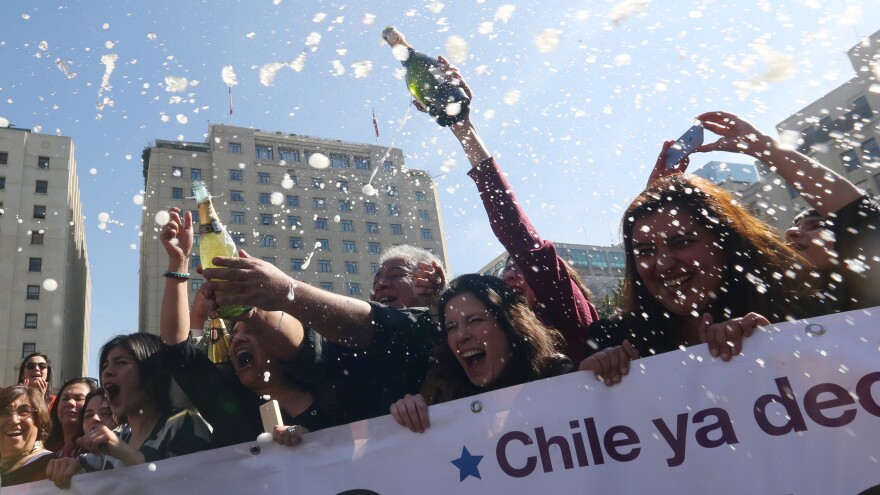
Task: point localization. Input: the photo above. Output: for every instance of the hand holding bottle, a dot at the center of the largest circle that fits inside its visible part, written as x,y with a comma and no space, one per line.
177,239
246,281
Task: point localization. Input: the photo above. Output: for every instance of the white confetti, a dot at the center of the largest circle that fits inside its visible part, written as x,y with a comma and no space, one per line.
319,161
276,198
182,119
369,190
228,75
511,97
628,8
162,218
362,68
504,12
50,284
457,49
103,217
176,84
547,40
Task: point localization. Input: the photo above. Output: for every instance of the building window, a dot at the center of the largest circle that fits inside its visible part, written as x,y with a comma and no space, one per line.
393,210
291,176
176,193
369,208
328,286
195,217
293,201
396,229
267,241
195,174
196,239
317,183
264,177
177,172
346,226
361,163
392,190
239,238
43,162
293,221
342,185
265,152
288,155
427,235
35,264
423,215
344,205
319,203
37,238
296,264
4,158
372,228
33,292
324,266
296,243
323,244
236,196
39,211
321,223
237,217
268,259
420,196
235,148
388,166
339,161
28,348
265,199
30,320
871,151
351,267
374,247
850,159
2,182
374,268
42,187
354,288
617,260
195,284
265,219
236,175
349,247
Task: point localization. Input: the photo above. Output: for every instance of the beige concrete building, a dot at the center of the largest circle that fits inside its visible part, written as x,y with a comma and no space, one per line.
279,208
600,267
45,289
841,130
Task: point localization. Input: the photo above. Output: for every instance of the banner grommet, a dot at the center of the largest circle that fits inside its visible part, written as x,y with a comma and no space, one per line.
815,329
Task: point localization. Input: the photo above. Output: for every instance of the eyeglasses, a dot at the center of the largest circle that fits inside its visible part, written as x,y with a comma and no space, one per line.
23,411
31,365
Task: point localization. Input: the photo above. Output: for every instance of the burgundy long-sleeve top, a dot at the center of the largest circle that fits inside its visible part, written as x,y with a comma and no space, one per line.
561,304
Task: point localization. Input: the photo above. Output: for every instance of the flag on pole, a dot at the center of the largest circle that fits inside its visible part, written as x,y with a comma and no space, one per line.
375,124
230,100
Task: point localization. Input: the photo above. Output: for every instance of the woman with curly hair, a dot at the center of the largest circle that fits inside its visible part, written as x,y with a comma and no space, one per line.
493,340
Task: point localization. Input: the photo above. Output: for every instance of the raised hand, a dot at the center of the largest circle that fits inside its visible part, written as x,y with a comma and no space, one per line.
725,339
737,135
412,412
660,169
177,236
288,435
612,364
60,471
428,281
37,383
455,78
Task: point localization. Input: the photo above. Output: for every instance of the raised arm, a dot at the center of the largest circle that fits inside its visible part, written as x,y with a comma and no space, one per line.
825,190
260,284
177,239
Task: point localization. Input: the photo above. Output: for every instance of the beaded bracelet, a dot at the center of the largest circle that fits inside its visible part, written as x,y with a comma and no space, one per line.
182,276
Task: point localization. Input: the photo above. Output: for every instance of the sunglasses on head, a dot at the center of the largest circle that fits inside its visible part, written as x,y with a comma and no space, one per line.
33,365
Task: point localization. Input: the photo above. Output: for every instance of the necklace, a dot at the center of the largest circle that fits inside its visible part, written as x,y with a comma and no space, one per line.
5,464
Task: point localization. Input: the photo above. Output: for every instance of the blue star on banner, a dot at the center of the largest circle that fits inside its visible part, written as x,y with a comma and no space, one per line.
467,465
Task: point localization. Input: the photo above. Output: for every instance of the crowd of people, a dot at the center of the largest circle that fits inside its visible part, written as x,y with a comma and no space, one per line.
700,268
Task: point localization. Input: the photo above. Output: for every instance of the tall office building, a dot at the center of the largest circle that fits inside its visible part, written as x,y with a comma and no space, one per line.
316,224
841,130
45,289
732,176
601,267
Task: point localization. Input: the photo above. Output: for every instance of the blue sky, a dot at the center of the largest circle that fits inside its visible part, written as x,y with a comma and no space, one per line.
574,99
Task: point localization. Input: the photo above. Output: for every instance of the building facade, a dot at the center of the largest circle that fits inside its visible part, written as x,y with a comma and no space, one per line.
731,176
316,224
841,130
45,288
601,267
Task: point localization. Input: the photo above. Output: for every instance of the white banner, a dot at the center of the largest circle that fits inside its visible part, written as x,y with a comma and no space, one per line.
798,413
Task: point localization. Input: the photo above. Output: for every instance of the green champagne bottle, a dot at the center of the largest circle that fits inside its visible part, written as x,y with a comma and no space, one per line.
445,101
214,241
218,341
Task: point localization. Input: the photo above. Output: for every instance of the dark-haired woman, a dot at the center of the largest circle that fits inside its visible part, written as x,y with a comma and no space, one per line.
493,340
699,268
65,414
35,371
137,390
